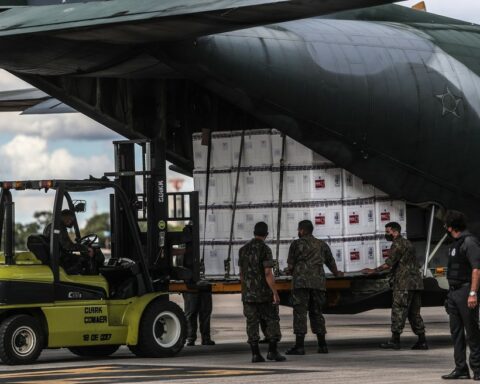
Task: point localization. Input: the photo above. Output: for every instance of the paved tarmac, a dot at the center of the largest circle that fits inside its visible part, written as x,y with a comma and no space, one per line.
354,356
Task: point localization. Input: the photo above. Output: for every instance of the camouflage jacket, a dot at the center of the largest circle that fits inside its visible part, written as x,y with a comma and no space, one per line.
403,263
306,258
253,258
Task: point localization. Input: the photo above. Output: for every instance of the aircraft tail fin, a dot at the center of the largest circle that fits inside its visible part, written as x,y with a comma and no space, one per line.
420,6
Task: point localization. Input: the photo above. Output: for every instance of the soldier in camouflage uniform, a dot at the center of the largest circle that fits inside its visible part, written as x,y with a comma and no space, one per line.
407,286
306,258
259,295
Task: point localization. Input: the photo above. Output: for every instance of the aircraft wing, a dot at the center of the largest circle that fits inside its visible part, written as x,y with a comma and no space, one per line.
31,101
143,21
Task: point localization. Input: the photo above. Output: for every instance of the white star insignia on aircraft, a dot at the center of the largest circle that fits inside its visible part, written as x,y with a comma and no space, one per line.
450,103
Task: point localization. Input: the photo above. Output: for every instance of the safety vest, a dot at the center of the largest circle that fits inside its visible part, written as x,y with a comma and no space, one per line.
459,267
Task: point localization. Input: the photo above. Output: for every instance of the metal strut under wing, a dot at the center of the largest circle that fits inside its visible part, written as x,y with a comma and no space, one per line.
127,22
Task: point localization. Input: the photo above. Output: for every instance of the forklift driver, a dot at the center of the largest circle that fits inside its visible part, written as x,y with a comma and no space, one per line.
89,259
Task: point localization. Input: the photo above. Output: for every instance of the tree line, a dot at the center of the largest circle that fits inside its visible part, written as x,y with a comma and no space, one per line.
98,224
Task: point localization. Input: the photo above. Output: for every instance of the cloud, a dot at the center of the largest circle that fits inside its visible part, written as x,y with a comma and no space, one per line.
26,157
55,127
63,126
9,82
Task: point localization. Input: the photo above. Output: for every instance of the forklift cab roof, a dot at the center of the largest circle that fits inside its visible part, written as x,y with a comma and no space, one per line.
86,185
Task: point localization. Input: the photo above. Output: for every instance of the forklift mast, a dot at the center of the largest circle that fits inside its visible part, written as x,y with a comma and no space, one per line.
156,208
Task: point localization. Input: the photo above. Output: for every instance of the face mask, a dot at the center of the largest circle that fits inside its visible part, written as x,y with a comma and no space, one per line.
299,235
388,237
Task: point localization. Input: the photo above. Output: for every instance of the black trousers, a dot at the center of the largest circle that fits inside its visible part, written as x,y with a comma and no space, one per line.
198,305
464,328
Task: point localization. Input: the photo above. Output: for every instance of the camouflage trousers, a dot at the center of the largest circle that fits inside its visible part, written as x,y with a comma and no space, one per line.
407,304
262,312
312,301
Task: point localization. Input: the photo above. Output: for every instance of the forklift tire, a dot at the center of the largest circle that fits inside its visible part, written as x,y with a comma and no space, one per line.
21,340
162,330
94,350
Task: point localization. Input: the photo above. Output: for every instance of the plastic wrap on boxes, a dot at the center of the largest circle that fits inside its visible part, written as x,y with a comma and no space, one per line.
247,216
379,193
295,153
390,210
359,217
219,189
309,183
219,220
257,148
327,219
255,185
292,214
215,254
337,202
360,252
356,188
338,252
283,252
221,152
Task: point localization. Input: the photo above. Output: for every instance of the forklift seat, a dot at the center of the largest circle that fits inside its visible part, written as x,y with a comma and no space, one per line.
38,245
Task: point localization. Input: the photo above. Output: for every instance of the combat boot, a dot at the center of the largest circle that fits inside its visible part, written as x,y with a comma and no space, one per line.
421,343
322,344
298,348
393,343
256,355
273,352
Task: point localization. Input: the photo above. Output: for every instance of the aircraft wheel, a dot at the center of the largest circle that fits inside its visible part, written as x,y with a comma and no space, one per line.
21,340
94,350
162,330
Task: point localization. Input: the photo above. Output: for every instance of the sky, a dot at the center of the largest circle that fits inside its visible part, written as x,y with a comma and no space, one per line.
74,146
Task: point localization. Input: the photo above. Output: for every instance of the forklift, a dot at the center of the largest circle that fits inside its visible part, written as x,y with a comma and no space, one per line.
127,301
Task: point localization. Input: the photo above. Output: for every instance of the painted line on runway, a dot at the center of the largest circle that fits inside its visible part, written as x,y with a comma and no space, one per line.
122,373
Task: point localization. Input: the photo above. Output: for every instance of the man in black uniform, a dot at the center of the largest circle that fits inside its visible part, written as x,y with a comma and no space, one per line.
462,304
198,305
74,264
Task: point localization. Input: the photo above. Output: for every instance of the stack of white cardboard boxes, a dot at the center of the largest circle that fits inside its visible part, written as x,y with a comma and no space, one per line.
347,213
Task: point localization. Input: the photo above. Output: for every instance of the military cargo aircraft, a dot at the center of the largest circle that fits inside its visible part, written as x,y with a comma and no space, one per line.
389,93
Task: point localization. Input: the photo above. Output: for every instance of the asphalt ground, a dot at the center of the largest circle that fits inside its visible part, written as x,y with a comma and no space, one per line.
354,356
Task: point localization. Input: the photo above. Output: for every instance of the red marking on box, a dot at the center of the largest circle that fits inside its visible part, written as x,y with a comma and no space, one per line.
319,183
319,220
354,255
385,216
354,218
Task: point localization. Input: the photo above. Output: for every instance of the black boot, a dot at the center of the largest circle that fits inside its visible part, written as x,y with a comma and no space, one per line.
256,356
457,374
393,343
208,341
298,348
421,343
322,344
273,353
